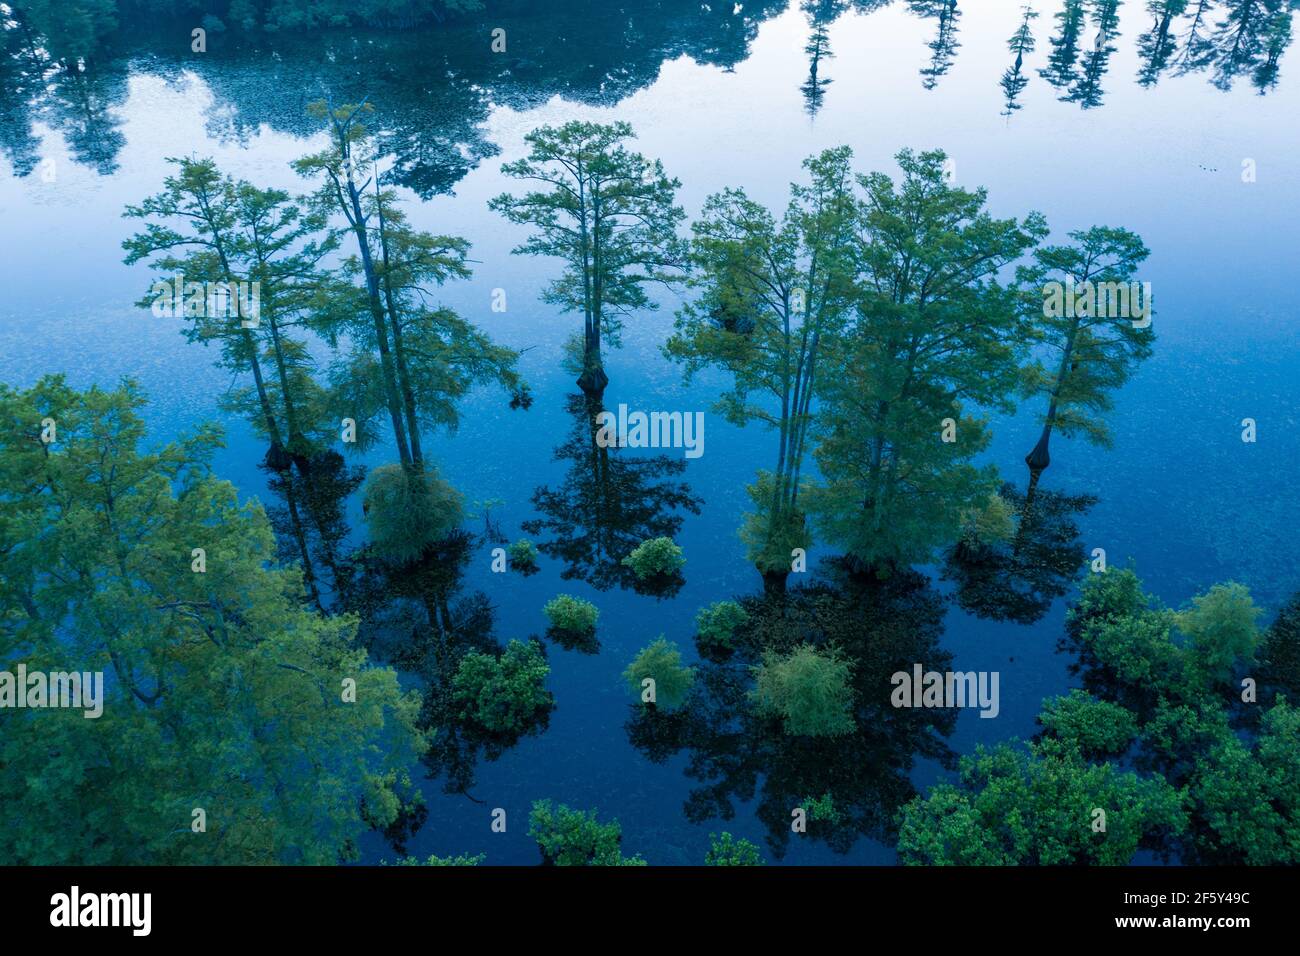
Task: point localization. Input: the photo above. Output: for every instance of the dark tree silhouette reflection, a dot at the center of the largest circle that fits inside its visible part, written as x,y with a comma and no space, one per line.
1021,44
944,45
434,85
417,618
308,516
1018,580
821,14
609,502
857,780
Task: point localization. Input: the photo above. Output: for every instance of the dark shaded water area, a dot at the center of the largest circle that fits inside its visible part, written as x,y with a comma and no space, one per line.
1146,127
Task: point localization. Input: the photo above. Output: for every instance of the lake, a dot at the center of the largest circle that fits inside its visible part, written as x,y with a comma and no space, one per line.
1200,158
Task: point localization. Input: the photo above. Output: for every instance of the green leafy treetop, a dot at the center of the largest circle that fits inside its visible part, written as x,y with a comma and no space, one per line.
523,556
407,513
1091,354
571,614
570,837
1095,728
1161,696
265,251
609,215
1014,806
410,363
216,671
660,661
772,294
1127,641
809,690
933,336
656,557
726,850
715,625
504,694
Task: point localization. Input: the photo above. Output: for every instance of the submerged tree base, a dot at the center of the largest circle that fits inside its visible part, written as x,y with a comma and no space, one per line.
593,381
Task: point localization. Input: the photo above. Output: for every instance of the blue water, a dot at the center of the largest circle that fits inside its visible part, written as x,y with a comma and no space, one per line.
1180,494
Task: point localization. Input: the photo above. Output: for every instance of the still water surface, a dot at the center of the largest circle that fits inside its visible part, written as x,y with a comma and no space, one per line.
722,100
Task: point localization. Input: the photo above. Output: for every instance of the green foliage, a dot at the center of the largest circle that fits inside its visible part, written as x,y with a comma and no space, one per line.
1122,633
725,850
522,554
1279,652
214,681
217,232
572,614
461,859
1221,631
661,661
656,557
1138,647
933,337
1175,673
506,693
715,625
409,362
607,213
808,690
407,513
1091,355
990,522
771,293
570,837
821,809
1095,728
1022,807
1249,798
770,532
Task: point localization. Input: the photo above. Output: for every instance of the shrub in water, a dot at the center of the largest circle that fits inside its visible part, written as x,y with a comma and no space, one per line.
725,850
662,662
406,513
523,555
808,690
505,694
569,837
571,615
657,557
715,625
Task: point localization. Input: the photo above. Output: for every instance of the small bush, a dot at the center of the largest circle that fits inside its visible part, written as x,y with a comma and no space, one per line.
662,662
523,555
406,513
725,850
571,615
505,694
808,690
656,557
715,625
569,837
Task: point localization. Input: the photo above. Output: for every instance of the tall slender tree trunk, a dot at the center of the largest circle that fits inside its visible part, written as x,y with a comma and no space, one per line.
593,379
399,353
300,536
296,441
276,457
386,363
